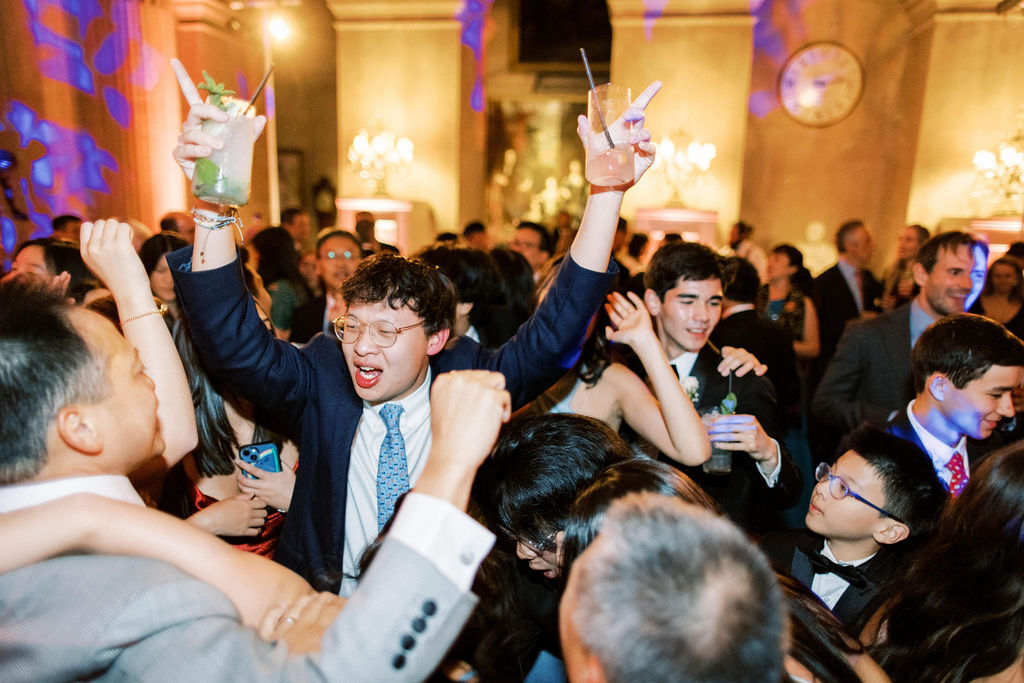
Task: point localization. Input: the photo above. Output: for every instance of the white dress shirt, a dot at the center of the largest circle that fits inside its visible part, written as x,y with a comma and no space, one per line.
361,506
116,486
830,587
940,453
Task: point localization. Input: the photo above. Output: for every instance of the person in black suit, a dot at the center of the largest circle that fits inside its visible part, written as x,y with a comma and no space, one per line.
965,370
742,327
881,493
837,296
684,294
869,378
338,254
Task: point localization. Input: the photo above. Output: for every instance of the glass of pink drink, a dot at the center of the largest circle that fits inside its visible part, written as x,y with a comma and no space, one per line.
609,165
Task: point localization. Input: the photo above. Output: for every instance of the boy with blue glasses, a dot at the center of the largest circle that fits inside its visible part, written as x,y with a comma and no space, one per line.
880,494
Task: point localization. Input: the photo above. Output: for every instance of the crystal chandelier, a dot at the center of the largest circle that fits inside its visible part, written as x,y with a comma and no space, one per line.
677,167
379,157
998,187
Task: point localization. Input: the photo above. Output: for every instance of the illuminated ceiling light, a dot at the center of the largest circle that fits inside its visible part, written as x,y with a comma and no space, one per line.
279,28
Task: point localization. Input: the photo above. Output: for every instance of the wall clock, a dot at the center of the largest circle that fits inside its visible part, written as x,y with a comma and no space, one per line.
820,84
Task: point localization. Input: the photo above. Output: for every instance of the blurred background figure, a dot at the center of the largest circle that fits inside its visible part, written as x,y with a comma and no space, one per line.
1002,299
475,236
66,227
898,280
180,223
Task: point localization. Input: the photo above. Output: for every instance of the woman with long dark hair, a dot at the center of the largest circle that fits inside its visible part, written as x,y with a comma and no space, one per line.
786,299
957,614
1002,299
278,267
153,254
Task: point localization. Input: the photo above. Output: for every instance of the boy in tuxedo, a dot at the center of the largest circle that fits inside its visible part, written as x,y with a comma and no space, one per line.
880,494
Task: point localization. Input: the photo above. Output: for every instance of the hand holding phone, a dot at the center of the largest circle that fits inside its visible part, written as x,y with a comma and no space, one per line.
261,455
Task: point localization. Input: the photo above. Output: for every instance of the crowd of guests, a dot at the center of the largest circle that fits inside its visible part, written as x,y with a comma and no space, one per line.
564,458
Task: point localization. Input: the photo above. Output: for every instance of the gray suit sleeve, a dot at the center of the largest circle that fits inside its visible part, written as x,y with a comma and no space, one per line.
136,619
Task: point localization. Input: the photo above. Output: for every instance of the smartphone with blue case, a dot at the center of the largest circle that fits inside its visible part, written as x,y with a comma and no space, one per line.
261,455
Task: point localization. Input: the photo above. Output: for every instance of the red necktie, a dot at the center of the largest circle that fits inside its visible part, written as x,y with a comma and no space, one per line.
959,480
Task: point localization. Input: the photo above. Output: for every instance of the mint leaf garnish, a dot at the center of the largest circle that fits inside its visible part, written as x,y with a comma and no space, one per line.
207,172
728,405
218,93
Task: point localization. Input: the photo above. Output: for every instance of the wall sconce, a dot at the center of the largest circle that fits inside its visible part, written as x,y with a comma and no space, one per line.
678,167
379,157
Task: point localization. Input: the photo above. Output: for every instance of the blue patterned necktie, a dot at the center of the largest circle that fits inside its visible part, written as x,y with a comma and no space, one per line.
392,467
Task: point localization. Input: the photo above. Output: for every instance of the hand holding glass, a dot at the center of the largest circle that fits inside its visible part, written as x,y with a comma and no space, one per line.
608,165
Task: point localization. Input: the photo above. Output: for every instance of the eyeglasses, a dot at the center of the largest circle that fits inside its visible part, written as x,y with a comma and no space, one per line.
538,549
382,333
335,255
839,489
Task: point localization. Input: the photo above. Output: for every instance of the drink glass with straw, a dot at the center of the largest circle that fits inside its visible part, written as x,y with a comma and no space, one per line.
224,177
609,150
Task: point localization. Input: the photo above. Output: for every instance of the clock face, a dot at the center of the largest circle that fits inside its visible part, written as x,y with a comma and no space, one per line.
821,84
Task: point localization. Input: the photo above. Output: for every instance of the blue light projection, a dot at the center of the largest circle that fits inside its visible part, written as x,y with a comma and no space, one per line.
65,59
653,10
772,46
70,169
473,16
8,235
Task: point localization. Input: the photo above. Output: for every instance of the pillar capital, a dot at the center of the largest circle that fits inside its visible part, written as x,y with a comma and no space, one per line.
393,10
638,9
215,13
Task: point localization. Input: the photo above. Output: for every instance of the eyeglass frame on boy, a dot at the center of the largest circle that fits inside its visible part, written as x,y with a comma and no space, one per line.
819,475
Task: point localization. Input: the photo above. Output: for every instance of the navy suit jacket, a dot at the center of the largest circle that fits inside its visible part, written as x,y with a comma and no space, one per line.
308,320
977,449
789,550
743,493
311,392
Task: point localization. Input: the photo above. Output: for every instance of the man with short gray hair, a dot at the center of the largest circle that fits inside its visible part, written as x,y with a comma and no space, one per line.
671,592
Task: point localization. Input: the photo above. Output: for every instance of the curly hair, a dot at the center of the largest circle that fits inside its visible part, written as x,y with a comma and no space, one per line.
404,282
958,611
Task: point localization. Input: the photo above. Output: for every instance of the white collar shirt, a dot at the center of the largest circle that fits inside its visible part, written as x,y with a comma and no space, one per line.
361,506
830,587
116,486
939,452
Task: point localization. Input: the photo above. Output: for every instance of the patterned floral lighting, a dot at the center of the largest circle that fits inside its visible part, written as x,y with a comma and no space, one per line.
998,185
379,157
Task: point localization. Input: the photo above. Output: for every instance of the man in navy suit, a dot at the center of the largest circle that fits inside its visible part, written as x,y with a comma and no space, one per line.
360,409
965,370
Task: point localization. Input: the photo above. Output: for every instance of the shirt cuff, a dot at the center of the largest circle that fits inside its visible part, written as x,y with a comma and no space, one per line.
447,537
773,478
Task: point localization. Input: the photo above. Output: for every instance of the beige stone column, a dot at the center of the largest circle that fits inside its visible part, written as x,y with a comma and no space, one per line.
701,51
401,67
973,100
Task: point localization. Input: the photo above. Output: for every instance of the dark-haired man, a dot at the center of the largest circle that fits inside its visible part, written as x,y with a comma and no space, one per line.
684,295
869,378
338,254
296,221
88,418
66,227
965,370
361,412
535,243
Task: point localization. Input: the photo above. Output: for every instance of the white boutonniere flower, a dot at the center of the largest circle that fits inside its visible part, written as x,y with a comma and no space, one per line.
692,388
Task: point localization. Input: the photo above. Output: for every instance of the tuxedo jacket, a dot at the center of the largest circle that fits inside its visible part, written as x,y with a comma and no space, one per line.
870,375
977,449
310,390
770,343
743,494
308,320
788,550
97,617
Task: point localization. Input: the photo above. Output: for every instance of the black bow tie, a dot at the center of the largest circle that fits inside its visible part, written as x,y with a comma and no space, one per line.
822,565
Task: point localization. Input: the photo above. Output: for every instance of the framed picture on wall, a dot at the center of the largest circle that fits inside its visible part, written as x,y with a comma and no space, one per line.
547,34
291,178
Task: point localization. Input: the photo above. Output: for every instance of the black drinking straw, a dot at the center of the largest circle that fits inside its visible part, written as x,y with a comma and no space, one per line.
259,88
597,104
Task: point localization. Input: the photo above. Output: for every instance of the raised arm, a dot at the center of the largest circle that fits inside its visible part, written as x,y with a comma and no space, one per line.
213,248
107,249
592,246
84,523
669,421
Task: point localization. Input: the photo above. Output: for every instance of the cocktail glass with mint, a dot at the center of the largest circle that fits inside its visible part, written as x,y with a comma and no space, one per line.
225,176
